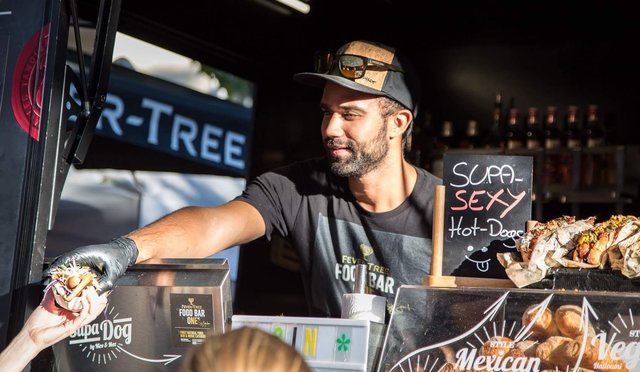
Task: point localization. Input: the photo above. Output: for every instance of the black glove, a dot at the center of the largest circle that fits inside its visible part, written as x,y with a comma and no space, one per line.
109,260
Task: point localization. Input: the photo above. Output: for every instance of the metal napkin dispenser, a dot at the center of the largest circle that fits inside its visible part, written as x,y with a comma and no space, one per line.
156,312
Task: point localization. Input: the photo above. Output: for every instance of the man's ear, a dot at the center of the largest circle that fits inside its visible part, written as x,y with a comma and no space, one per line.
400,123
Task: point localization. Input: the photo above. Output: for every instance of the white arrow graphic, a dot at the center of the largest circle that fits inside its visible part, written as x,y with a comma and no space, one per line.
168,357
584,326
541,307
491,310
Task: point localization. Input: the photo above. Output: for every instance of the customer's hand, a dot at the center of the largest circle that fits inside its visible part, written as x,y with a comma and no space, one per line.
50,323
47,325
109,260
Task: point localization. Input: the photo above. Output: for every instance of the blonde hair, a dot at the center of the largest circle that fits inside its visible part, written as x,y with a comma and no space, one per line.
245,349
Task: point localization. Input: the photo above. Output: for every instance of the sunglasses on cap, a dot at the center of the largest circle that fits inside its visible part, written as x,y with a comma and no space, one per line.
350,66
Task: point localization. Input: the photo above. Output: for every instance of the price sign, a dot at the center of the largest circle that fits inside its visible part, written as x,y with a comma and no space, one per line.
487,205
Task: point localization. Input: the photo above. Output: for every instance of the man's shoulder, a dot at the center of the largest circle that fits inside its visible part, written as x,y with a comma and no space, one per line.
310,178
428,177
304,175
308,167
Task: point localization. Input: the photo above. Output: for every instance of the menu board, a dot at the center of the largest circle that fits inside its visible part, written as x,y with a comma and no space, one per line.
487,205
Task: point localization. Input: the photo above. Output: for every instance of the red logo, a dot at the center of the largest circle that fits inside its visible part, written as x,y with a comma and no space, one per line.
28,82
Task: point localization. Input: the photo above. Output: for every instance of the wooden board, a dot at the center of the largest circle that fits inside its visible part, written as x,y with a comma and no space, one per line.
462,281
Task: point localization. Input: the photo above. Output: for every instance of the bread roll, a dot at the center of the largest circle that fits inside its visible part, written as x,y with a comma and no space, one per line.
449,367
551,352
528,348
568,319
497,346
500,347
590,355
544,327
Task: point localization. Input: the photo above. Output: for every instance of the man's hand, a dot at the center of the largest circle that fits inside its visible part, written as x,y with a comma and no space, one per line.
109,260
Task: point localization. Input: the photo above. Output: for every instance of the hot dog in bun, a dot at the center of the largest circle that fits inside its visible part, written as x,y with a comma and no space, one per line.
68,282
591,245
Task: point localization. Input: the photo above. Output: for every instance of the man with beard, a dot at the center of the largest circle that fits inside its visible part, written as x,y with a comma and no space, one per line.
362,203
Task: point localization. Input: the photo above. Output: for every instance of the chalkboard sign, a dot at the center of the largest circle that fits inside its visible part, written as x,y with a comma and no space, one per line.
487,205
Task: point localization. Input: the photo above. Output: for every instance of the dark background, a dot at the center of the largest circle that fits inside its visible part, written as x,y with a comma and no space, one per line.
537,53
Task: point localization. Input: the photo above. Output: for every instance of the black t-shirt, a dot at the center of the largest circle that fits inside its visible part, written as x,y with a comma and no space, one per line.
311,207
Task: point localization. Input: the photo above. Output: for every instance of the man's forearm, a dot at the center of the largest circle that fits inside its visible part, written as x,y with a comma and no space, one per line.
198,231
174,235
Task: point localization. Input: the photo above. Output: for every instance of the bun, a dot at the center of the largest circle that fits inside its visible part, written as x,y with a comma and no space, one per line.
497,346
592,245
74,304
551,352
68,282
528,347
590,356
544,327
568,319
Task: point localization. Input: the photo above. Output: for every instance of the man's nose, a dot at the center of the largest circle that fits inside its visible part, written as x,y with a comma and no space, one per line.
332,126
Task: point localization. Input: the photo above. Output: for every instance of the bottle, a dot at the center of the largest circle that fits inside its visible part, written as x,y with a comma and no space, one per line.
514,135
553,158
429,135
444,143
572,130
494,137
604,165
572,141
427,139
533,132
594,131
471,138
446,138
414,144
594,137
552,131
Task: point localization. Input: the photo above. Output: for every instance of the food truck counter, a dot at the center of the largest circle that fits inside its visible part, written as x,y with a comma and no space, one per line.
157,310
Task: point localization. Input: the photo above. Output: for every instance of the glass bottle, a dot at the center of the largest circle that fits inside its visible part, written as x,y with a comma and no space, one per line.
572,129
594,137
572,141
446,138
471,138
444,142
553,158
414,144
514,135
594,131
602,164
552,131
428,137
533,132
494,137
